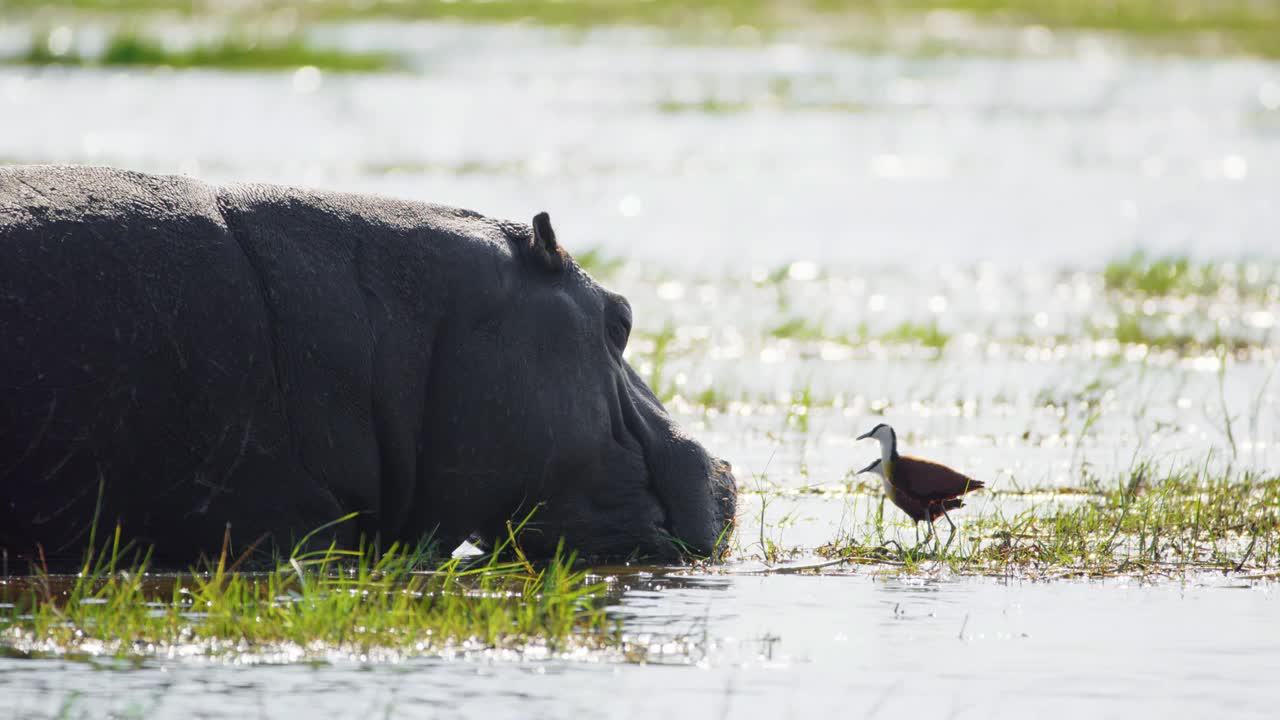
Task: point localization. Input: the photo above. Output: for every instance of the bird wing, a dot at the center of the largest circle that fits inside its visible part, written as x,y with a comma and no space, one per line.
931,481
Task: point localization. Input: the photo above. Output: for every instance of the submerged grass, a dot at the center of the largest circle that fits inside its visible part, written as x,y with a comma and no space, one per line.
131,50
1186,521
316,605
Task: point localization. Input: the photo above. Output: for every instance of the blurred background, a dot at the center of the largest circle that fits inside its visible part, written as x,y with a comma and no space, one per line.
723,134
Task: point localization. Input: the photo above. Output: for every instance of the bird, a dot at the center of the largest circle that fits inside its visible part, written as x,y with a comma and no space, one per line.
923,490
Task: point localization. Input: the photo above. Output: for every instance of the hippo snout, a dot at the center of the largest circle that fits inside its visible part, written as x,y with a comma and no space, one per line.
725,497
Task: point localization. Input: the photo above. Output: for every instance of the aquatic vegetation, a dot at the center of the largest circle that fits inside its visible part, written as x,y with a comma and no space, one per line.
803,329
1135,329
598,263
712,398
927,335
711,105
799,411
1195,25
654,361
1185,520
708,105
1145,276
1159,276
128,49
316,605
799,328
1153,331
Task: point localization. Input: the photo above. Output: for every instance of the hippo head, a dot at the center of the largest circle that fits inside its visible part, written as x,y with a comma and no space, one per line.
536,411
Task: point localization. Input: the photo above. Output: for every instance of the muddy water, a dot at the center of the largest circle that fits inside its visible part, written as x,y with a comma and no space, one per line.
752,187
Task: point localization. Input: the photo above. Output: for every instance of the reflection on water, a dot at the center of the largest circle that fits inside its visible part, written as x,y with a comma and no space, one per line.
780,646
786,210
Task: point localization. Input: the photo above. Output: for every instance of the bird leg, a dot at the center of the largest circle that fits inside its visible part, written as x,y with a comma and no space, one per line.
952,536
928,535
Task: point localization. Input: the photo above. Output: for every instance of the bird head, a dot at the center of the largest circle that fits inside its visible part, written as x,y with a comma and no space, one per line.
874,467
883,433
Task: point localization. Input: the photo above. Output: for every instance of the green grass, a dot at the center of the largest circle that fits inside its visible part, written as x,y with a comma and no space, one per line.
130,50
1136,329
1248,26
598,263
1144,276
712,398
802,329
918,334
1246,21
363,602
706,106
658,356
1147,523
1152,331
779,93
715,106
799,328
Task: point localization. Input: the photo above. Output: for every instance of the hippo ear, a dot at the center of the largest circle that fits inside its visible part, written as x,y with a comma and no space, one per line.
543,245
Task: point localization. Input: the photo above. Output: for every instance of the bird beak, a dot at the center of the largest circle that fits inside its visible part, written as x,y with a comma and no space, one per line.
865,435
867,468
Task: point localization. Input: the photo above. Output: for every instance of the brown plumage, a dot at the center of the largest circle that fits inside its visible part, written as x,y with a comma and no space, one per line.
924,490
934,488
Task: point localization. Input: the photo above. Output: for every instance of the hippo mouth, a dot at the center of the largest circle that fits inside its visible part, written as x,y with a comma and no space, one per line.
695,492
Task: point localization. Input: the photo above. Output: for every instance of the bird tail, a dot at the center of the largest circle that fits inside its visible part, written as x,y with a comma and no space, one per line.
974,485
938,507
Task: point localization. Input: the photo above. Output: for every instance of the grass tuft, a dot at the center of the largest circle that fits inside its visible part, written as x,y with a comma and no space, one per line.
798,328
1185,521
131,50
919,334
1142,275
316,605
1153,277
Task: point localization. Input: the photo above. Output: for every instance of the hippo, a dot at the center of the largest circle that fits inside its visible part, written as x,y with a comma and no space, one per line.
178,358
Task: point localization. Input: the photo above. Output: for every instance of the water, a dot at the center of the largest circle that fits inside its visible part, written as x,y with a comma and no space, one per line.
779,647
753,186
832,155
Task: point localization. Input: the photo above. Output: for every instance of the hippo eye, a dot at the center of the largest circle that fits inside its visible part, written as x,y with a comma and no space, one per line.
620,331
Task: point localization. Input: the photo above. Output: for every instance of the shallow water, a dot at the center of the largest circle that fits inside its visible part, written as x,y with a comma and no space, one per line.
749,187
778,646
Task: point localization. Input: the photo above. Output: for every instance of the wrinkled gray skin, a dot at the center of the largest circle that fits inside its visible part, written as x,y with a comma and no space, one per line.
275,358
